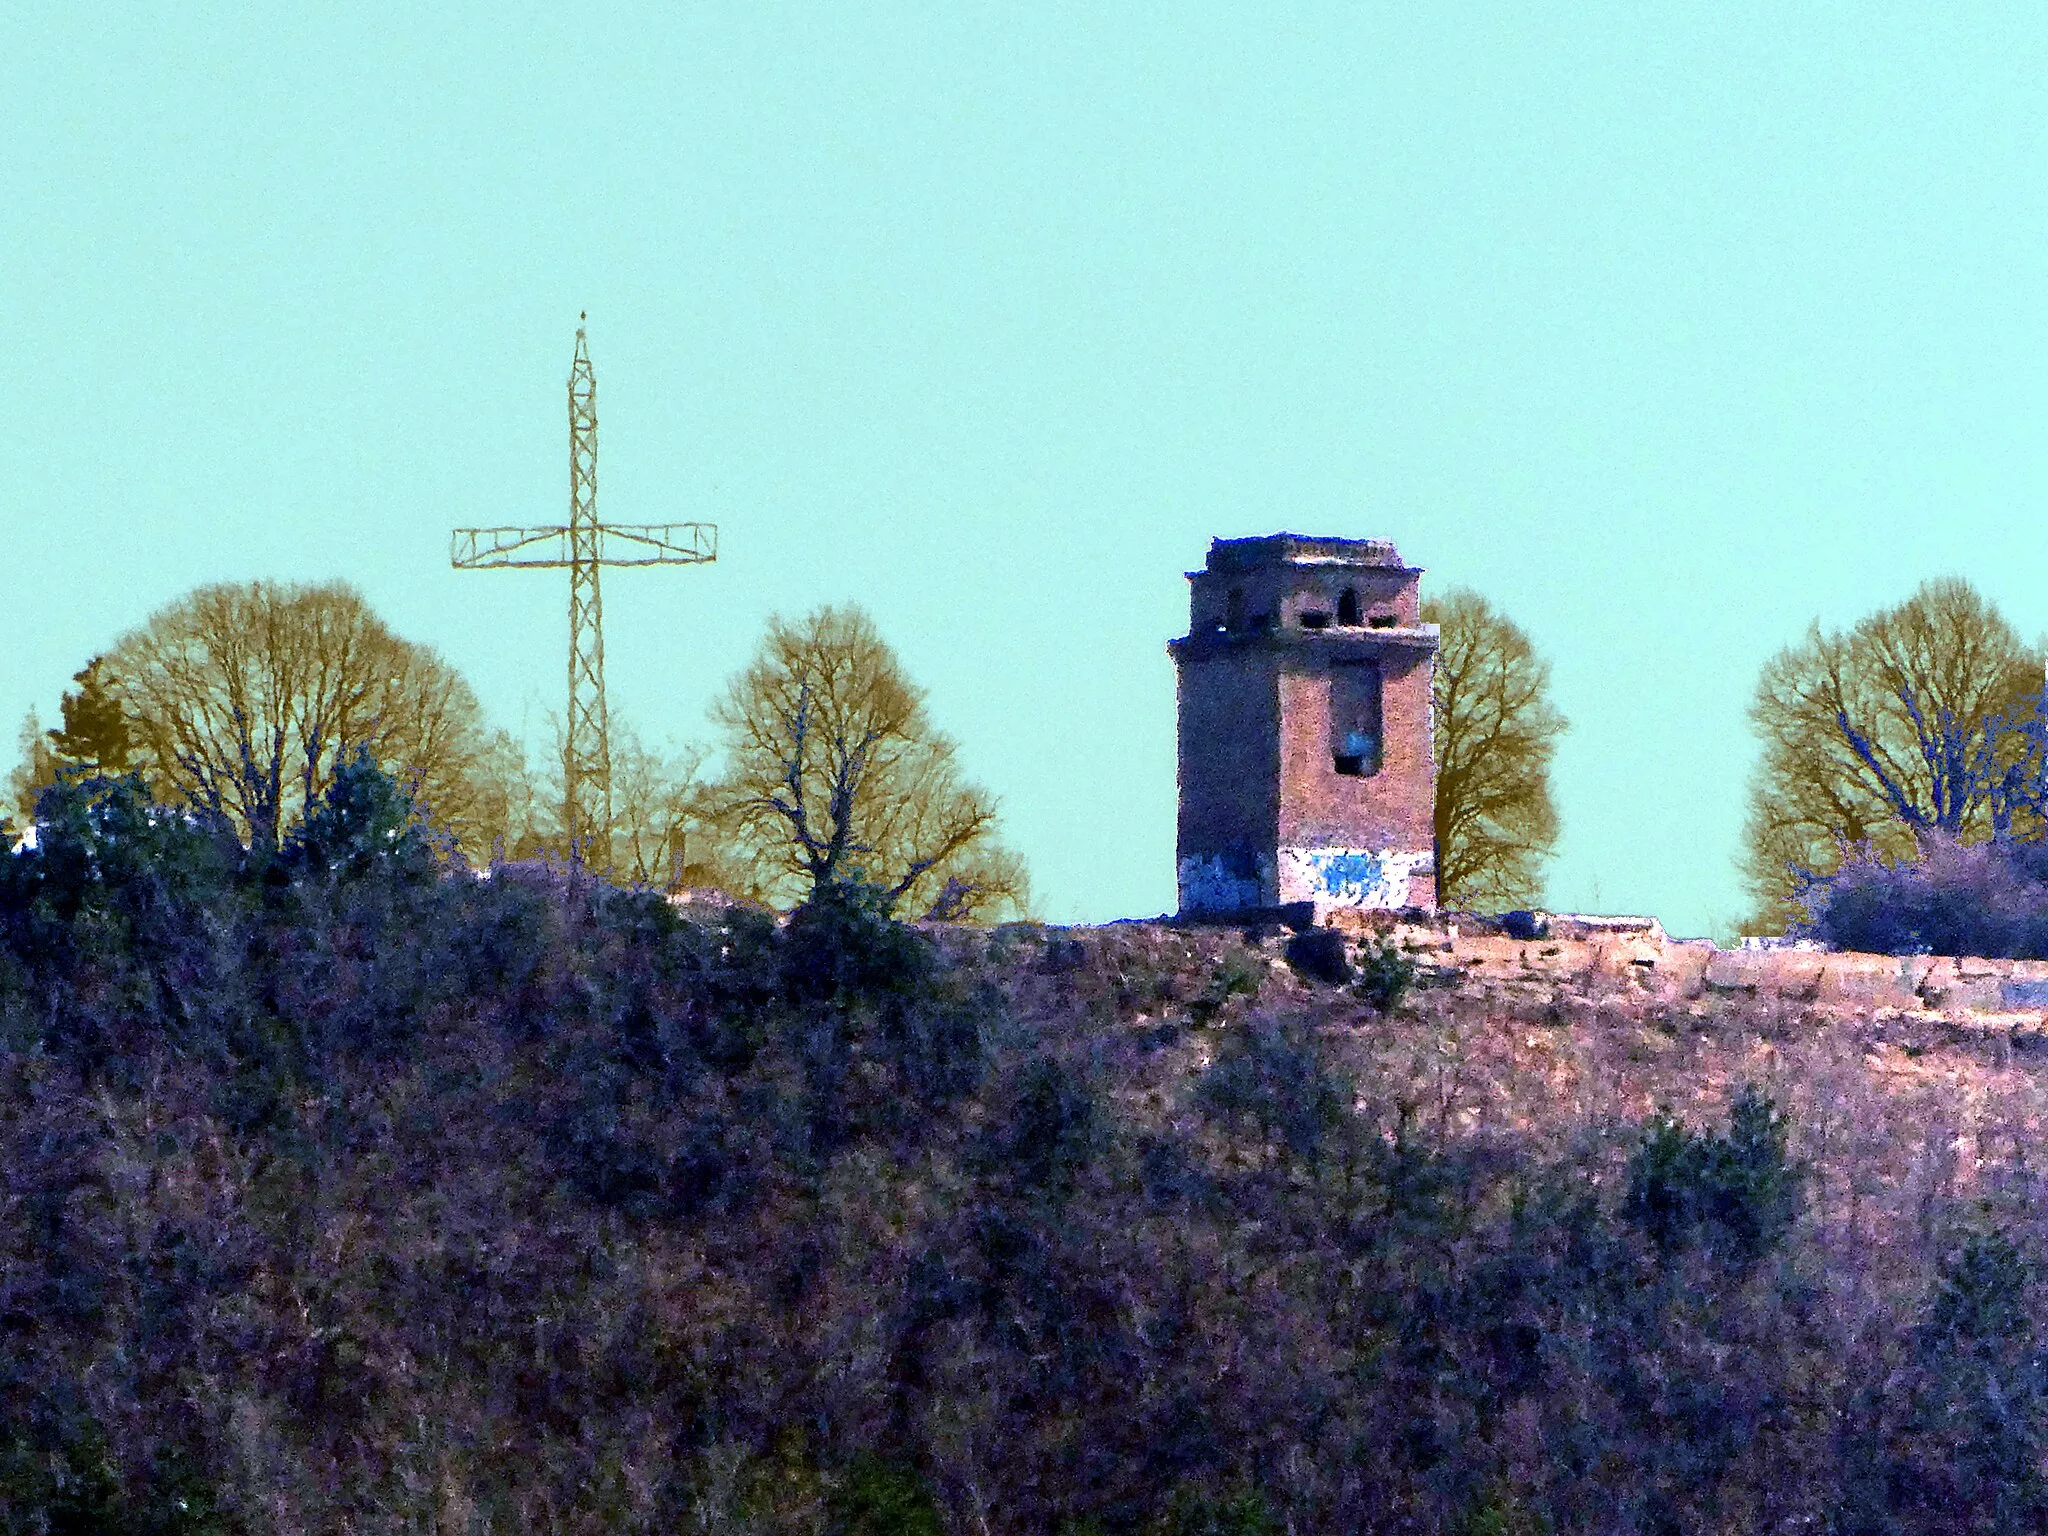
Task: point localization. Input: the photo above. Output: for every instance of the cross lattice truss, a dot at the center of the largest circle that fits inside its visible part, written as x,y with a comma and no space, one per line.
584,546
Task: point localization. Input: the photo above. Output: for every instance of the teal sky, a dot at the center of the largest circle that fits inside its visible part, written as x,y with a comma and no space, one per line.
1669,328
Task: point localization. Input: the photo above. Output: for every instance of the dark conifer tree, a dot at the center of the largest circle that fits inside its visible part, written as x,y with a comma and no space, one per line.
95,732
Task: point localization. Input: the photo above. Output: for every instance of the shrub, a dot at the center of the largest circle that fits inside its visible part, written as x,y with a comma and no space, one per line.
1495,1511
1275,1076
1736,1192
730,974
110,922
56,1477
1191,1511
110,867
1385,974
364,822
1171,1177
502,936
1980,1295
1236,975
878,1498
597,1149
1061,954
1988,899
702,1172
939,1041
1053,1128
842,946
1975,1419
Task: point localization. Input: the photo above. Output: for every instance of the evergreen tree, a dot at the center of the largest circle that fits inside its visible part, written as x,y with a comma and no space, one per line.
95,731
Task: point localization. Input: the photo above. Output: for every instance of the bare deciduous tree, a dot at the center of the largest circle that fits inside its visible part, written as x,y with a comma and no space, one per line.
1924,718
34,772
1495,733
659,816
663,833
834,772
242,697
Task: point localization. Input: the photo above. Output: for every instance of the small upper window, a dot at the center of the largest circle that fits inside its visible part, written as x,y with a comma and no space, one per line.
1383,621
1233,609
1347,607
1314,619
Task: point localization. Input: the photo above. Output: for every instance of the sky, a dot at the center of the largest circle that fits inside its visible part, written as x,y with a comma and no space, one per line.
1669,328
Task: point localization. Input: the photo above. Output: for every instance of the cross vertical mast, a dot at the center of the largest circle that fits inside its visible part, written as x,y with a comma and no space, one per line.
586,765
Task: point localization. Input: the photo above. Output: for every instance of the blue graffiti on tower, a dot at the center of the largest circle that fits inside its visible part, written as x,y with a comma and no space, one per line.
1348,874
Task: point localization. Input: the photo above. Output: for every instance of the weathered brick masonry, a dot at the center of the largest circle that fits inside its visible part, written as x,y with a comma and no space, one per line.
1307,767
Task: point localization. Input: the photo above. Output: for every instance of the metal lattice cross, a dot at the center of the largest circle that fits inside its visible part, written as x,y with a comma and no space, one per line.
585,545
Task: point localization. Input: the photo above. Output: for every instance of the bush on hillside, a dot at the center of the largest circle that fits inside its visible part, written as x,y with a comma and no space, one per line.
1273,1077
1384,974
1051,1129
1988,899
363,823
1735,1193
843,946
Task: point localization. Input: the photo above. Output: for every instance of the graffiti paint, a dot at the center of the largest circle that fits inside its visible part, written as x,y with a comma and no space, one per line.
1350,877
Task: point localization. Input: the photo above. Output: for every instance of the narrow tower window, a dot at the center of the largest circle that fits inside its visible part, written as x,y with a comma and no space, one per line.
1347,607
1355,718
1233,609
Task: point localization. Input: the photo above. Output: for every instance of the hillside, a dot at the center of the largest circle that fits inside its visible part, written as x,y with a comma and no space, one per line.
346,1197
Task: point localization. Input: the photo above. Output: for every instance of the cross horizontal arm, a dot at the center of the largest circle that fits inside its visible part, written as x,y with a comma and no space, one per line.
657,544
475,549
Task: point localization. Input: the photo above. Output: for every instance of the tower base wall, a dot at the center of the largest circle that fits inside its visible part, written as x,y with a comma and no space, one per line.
1327,878
1372,878
1227,882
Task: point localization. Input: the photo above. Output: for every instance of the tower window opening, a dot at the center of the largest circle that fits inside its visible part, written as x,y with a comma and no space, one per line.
1347,608
1355,745
1233,609
1313,619
1383,621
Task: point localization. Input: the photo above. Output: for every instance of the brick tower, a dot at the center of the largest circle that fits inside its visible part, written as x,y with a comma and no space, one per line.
1307,764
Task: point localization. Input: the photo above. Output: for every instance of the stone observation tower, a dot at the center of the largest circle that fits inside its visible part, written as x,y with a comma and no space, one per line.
1307,769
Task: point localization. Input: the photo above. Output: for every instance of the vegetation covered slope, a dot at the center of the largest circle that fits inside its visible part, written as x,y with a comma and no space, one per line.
345,1196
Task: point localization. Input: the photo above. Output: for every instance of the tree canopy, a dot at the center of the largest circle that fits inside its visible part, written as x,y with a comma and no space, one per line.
1922,718
1495,732
834,774
241,699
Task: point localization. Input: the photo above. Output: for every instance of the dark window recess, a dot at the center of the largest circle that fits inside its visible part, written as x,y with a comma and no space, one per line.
1347,608
1313,620
1355,746
1233,609
1383,621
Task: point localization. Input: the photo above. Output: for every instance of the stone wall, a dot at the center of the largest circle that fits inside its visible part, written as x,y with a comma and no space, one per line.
1637,956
